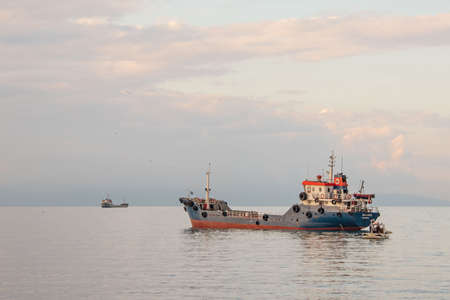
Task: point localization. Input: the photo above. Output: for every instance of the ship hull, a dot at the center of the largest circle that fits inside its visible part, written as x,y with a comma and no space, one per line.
115,206
229,225
306,218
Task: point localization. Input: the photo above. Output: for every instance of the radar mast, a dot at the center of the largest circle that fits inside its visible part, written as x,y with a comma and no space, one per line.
207,189
331,165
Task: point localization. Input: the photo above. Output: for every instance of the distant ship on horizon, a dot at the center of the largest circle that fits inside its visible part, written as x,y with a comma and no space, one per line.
107,203
325,205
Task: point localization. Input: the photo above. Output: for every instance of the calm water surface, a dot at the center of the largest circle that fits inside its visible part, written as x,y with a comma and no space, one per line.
151,253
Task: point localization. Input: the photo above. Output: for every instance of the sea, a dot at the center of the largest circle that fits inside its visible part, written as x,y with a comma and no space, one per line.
153,253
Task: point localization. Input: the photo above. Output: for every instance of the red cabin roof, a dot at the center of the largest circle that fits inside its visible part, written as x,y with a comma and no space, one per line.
320,183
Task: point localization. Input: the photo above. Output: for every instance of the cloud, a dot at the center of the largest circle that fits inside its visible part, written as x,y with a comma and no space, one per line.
49,11
88,36
380,165
403,142
180,130
292,92
5,15
122,67
393,161
397,147
378,136
77,76
355,134
92,21
180,47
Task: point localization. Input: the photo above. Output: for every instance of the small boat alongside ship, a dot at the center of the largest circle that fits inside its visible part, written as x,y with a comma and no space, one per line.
107,203
377,231
325,205
375,236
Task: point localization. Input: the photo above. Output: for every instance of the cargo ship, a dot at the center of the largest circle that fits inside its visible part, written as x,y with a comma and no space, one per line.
324,205
107,203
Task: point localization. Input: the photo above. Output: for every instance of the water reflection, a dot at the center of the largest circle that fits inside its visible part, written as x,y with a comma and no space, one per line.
331,257
151,253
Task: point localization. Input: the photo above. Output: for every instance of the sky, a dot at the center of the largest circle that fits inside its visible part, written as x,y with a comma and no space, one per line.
135,98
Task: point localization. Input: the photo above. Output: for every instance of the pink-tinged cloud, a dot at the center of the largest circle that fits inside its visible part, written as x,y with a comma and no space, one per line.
356,134
397,147
176,46
92,21
71,76
91,40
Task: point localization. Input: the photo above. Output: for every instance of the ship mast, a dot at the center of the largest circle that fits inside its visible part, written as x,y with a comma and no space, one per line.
207,189
331,165
361,190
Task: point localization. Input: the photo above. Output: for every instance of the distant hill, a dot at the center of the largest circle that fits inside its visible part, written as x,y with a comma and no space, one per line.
408,200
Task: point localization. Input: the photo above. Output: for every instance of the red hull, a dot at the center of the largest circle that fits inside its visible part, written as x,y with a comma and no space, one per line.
224,225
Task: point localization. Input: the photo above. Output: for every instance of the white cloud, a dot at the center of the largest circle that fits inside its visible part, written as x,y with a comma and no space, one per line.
173,49
57,85
5,15
397,147
173,25
111,70
301,39
379,165
392,161
51,10
122,67
92,21
355,134
324,111
135,123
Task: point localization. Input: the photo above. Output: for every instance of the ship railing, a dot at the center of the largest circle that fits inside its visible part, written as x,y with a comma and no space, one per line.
374,209
369,209
243,214
203,201
362,209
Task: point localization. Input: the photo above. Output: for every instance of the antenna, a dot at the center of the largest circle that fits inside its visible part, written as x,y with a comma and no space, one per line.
331,165
207,189
361,190
342,162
